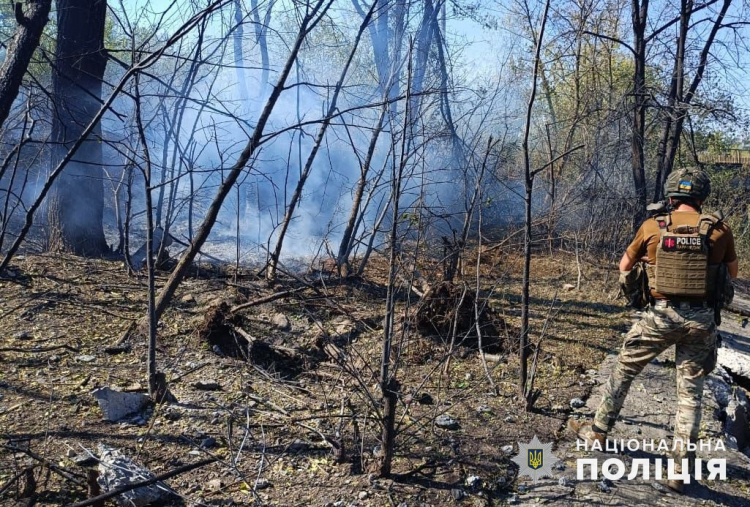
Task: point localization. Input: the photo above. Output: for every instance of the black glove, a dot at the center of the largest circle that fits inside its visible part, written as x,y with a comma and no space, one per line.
631,286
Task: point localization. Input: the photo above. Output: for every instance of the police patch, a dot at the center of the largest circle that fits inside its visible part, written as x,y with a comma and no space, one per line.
682,243
685,186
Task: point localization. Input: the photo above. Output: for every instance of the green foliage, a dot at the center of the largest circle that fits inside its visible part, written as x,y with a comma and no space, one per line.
730,193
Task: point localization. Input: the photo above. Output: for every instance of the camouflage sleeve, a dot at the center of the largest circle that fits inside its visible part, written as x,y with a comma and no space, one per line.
637,247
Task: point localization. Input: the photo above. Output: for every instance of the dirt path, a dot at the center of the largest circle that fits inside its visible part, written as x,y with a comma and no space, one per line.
649,414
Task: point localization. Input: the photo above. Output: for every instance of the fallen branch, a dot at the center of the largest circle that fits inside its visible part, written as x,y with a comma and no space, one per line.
327,298
191,370
14,479
39,349
495,358
148,482
187,245
250,339
267,299
70,476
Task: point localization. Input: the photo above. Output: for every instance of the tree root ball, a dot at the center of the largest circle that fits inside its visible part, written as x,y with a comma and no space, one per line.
219,331
447,306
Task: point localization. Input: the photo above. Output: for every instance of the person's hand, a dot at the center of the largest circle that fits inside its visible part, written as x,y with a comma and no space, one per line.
630,287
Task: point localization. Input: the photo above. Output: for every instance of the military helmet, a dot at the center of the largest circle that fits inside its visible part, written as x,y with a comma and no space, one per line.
690,182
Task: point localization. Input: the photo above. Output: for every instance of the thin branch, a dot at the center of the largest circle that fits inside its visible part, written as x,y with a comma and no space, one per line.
148,482
612,39
545,166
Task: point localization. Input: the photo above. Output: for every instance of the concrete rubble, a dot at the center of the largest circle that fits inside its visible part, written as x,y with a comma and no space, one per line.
116,405
117,469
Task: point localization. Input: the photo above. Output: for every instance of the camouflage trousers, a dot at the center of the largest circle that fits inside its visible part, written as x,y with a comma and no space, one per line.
693,333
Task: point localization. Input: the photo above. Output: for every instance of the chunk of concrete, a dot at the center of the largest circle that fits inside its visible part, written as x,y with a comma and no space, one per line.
115,405
117,470
735,361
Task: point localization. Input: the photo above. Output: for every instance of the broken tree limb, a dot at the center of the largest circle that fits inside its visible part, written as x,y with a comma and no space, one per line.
70,476
153,480
15,478
39,349
250,339
204,254
247,336
190,371
267,299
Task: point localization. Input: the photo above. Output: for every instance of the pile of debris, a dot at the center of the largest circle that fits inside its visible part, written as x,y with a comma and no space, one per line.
448,310
223,331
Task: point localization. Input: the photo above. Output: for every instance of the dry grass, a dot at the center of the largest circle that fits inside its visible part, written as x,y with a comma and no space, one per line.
273,424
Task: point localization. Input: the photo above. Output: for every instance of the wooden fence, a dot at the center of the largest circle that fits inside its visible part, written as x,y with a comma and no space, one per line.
741,157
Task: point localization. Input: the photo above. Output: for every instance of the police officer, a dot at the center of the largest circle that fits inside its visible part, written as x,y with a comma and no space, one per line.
683,251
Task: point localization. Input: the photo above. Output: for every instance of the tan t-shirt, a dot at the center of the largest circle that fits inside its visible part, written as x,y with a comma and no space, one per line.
721,241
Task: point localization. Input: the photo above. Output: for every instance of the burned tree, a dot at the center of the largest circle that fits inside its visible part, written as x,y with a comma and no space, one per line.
76,205
22,47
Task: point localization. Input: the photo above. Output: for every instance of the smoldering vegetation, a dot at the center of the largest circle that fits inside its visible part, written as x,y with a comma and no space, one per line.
404,102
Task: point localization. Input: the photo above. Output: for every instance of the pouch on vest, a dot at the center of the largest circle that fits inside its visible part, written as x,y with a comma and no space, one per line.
682,259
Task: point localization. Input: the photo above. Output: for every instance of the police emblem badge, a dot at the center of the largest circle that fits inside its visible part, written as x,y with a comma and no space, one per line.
535,459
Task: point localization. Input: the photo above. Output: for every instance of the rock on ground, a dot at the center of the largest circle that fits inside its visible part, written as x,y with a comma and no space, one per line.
115,405
281,322
116,470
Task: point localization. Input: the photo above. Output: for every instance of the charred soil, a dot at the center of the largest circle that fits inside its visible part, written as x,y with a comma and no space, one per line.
284,394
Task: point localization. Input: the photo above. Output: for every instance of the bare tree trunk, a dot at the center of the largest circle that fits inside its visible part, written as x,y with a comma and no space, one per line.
261,32
387,65
296,196
424,42
128,214
529,181
457,150
239,60
153,386
345,247
370,244
674,101
473,201
388,383
639,17
117,190
76,207
20,50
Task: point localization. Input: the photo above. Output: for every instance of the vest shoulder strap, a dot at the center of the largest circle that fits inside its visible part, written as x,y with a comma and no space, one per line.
708,222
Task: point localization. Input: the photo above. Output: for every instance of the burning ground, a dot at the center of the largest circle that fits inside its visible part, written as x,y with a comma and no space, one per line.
279,383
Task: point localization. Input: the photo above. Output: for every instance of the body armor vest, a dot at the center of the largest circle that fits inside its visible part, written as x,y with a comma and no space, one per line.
681,269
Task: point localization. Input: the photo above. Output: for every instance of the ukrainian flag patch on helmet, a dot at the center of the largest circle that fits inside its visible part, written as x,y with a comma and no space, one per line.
685,186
